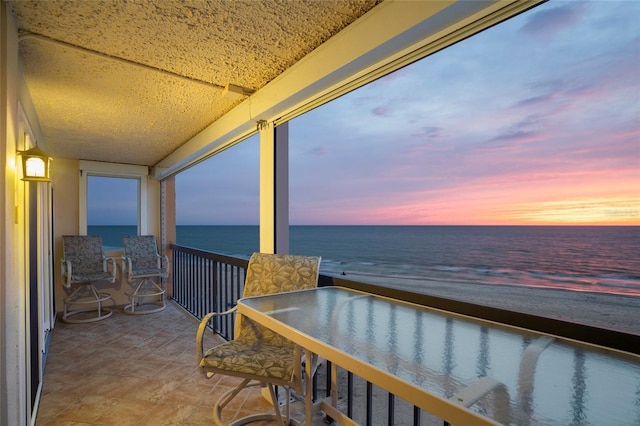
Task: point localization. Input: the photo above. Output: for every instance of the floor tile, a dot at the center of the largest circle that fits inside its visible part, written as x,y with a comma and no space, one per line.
133,370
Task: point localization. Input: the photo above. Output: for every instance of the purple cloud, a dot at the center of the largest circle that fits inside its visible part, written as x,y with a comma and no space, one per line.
428,133
510,135
320,151
546,24
521,131
381,111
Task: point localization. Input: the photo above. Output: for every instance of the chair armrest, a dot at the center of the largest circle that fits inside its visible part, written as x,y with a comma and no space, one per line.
110,262
67,271
125,263
127,268
202,328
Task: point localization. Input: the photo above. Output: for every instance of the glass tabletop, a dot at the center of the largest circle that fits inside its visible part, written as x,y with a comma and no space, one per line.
511,375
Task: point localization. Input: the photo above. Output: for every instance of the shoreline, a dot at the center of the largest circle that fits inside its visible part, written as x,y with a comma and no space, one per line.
605,310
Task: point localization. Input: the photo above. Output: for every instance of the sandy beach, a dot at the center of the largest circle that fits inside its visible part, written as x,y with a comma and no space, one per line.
610,311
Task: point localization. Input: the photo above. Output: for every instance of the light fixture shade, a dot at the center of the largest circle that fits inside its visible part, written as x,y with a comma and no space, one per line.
35,165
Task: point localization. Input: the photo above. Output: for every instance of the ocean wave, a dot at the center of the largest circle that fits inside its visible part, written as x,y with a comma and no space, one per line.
448,268
610,284
615,283
620,277
589,259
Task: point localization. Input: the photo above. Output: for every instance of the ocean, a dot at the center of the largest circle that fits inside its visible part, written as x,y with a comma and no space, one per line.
600,259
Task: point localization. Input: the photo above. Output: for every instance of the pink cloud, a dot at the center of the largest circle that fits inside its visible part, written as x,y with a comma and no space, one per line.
611,195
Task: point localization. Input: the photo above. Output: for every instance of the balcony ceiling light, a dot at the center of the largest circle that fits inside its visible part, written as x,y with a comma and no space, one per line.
35,165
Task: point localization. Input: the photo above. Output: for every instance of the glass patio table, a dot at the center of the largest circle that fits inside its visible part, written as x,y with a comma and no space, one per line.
463,370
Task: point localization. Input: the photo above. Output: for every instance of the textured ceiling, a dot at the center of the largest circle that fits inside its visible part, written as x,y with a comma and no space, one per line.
130,82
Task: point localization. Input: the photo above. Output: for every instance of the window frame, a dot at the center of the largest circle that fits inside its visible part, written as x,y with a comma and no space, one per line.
127,171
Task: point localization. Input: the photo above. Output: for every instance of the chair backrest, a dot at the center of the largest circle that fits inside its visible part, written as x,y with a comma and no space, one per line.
142,250
276,273
84,252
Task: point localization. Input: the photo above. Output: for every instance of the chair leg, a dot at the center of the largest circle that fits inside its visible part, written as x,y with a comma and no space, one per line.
276,406
226,398
145,288
94,297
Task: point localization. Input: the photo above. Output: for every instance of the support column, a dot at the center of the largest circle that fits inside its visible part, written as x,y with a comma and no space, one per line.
168,224
274,188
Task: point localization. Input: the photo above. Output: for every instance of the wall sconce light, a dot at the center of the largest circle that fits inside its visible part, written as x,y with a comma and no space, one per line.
35,165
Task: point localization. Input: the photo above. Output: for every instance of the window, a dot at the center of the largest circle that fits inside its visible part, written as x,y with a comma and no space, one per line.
113,201
531,122
112,208
222,190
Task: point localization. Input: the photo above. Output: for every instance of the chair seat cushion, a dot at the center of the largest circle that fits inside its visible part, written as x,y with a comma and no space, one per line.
149,271
250,358
91,276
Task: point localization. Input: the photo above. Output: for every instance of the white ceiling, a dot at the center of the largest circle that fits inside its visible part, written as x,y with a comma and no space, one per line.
131,82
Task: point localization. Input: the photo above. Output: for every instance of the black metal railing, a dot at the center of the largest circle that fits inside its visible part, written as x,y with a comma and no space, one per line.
206,282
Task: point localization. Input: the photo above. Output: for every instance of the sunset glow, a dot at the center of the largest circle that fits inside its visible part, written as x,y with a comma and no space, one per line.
602,211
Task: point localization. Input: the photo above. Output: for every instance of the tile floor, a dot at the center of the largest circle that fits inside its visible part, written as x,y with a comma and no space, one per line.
133,370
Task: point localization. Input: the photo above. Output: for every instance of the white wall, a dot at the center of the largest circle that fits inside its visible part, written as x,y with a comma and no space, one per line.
13,393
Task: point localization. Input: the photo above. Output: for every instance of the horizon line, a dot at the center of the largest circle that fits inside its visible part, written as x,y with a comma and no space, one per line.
408,224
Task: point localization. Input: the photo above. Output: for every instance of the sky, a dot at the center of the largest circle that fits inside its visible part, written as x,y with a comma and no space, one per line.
535,121
112,201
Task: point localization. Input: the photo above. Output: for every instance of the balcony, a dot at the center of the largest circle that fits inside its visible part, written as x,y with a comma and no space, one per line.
141,370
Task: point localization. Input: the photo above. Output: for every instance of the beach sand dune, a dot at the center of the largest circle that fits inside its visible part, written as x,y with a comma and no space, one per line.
611,311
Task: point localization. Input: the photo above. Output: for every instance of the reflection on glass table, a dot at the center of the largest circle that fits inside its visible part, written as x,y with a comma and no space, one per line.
458,368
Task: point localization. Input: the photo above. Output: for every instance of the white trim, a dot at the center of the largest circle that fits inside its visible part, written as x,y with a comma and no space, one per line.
100,168
97,168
